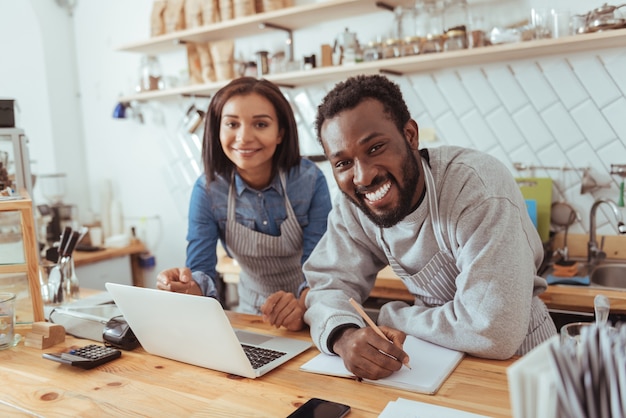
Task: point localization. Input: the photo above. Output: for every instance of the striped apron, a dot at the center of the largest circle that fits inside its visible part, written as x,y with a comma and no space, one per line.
435,284
268,263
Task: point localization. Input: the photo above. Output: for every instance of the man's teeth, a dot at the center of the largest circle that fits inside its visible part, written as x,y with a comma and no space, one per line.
378,194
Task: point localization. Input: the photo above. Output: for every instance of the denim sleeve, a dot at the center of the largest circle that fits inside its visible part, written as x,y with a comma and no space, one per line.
318,215
202,235
301,288
206,284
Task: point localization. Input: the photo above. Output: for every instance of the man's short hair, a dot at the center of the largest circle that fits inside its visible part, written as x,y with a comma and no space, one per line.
351,92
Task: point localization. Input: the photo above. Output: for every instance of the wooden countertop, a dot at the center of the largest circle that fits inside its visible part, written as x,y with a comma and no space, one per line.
571,298
389,286
88,257
139,384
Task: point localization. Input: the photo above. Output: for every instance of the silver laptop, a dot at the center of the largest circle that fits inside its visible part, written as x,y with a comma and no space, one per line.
195,330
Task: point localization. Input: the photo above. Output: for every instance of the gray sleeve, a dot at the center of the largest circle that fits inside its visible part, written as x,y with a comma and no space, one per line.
344,264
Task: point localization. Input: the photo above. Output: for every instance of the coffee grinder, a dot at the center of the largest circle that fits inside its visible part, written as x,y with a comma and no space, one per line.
57,214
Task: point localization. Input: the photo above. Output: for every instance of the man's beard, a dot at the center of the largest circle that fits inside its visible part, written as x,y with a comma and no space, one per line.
406,193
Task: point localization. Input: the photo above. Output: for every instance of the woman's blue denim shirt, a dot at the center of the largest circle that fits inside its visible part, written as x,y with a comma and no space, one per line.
261,210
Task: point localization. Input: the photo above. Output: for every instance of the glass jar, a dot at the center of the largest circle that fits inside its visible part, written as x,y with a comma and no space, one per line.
405,19
411,46
432,43
392,48
150,75
455,15
429,18
373,51
454,40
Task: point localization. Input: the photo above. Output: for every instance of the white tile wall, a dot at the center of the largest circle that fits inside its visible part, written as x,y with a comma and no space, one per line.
560,111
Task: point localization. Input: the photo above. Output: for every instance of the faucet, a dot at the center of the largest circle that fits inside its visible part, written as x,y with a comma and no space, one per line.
595,253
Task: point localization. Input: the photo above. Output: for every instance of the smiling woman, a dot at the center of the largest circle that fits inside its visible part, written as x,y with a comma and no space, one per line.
266,204
249,135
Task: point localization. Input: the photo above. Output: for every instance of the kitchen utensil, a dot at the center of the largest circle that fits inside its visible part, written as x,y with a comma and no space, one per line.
193,119
589,184
262,63
603,18
563,215
55,285
539,189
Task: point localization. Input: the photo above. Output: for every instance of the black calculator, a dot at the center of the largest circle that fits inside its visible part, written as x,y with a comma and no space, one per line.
86,357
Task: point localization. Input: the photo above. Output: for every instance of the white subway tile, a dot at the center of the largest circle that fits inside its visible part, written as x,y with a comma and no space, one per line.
612,153
478,88
562,79
594,125
506,87
615,114
534,84
505,130
478,130
425,87
585,156
413,102
615,63
595,78
452,131
533,128
453,92
563,127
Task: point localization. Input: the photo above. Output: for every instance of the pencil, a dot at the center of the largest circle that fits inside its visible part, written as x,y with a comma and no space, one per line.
372,324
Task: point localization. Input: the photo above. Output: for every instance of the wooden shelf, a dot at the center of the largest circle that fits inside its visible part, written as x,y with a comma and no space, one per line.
417,64
296,17
30,266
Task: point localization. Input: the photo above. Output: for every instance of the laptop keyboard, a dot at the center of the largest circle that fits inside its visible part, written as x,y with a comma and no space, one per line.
259,357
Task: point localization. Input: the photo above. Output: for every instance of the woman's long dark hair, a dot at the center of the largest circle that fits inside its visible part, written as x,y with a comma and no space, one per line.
287,153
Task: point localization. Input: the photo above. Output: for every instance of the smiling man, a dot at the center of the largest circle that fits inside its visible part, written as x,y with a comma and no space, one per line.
450,221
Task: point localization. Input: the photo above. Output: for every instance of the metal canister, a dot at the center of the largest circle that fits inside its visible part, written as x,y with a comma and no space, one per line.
455,40
432,43
262,63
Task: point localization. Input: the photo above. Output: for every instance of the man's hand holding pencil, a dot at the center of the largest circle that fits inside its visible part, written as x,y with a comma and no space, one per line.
372,352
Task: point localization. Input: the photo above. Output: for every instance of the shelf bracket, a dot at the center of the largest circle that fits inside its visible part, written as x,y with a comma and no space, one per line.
289,40
383,5
390,72
194,95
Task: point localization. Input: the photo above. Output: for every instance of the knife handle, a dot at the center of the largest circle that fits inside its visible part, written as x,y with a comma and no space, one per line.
71,244
65,237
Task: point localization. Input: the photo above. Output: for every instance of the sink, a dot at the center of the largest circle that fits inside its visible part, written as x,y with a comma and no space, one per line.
609,275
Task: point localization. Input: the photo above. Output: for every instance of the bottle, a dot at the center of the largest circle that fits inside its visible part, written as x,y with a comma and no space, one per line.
373,51
405,19
455,23
117,218
150,75
430,19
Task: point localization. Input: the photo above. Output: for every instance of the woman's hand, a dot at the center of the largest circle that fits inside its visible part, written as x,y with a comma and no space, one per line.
178,280
283,309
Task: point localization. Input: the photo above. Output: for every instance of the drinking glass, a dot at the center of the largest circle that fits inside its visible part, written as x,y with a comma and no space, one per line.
7,320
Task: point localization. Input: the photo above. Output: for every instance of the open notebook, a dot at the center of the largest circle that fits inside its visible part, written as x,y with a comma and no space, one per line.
431,364
195,330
